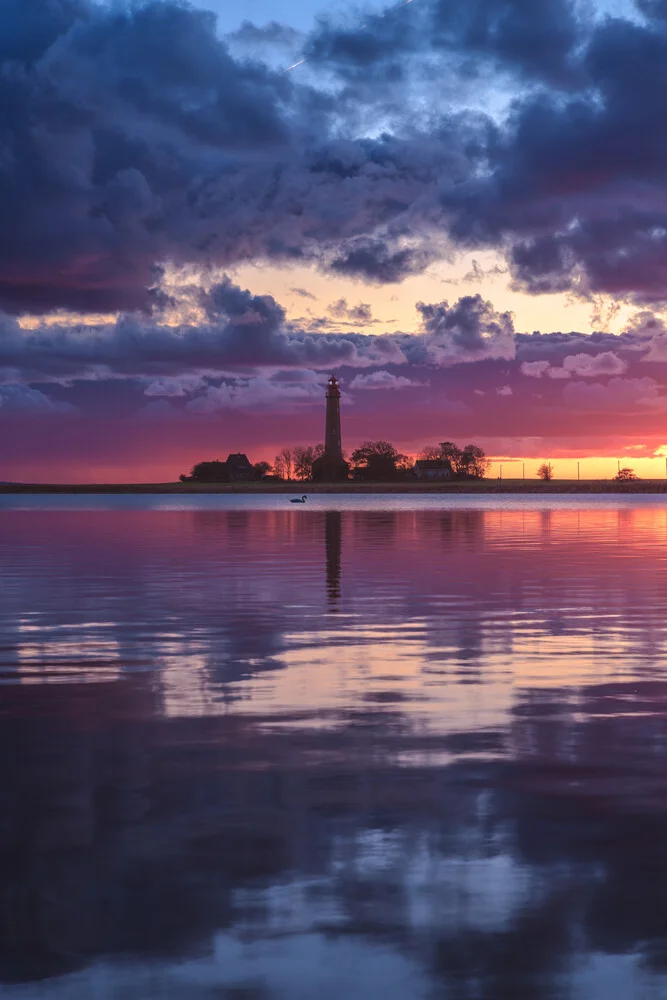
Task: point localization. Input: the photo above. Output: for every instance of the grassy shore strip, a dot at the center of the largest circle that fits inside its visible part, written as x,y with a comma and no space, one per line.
470,487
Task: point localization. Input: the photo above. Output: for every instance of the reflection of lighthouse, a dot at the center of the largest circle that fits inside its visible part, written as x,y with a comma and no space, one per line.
333,537
332,467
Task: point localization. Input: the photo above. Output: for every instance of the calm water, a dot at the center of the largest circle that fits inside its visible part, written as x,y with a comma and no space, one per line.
363,748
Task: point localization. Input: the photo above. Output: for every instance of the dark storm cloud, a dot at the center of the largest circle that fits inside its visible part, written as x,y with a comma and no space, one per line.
470,330
242,330
272,33
131,137
578,191
246,331
535,40
379,262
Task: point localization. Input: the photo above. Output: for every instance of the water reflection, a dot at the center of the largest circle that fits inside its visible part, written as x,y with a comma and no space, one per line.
333,540
452,786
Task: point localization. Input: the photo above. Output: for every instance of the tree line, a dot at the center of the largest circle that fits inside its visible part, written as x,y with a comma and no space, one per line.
379,461
382,462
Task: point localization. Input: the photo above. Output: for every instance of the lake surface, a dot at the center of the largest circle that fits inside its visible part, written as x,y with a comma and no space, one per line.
367,747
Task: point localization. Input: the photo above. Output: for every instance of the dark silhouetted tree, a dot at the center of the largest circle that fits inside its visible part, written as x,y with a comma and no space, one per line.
467,463
546,471
210,472
378,460
473,464
453,454
304,456
283,463
261,469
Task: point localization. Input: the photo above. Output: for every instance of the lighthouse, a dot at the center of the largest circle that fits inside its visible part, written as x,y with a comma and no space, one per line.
332,467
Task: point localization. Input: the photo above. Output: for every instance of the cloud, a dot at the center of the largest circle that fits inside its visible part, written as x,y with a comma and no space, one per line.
256,394
27,401
593,365
619,395
361,313
534,369
241,330
383,380
577,365
504,390
244,331
180,386
657,349
535,41
116,160
381,261
271,34
470,330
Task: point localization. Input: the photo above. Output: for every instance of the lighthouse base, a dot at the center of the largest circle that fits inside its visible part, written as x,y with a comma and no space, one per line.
330,470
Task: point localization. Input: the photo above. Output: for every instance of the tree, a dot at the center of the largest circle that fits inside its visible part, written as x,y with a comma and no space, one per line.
284,463
546,471
431,453
378,460
626,476
210,472
473,462
304,456
261,469
467,463
453,454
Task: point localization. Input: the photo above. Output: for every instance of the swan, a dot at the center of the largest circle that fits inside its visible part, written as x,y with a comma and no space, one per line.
302,500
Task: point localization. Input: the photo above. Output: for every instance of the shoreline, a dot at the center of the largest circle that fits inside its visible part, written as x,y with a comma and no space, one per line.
484,486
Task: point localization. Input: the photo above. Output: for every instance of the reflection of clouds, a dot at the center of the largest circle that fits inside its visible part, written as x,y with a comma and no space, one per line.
52,654
257,850
455,784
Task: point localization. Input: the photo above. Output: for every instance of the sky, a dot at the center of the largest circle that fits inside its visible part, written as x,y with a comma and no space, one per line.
208,208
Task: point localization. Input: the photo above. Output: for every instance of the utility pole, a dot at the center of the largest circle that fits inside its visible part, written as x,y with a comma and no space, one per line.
578,476
524,469
501,471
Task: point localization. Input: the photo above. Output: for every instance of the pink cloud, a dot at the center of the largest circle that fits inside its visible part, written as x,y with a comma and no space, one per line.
383,380
619,395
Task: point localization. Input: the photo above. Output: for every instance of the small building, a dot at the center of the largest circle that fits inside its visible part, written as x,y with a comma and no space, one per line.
433,469
239,468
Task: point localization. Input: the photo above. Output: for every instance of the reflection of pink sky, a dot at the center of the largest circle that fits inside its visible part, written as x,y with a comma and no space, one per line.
414,608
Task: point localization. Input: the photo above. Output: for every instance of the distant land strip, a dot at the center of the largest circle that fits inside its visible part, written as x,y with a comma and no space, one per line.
527,486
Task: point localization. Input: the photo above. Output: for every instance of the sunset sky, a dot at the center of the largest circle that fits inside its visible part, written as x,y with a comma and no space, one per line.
461,208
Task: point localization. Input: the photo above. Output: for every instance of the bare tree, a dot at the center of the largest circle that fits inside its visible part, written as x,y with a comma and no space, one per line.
283,463
546,471
430,453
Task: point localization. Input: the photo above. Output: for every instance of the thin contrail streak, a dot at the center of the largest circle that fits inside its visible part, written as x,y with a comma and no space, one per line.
396,7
